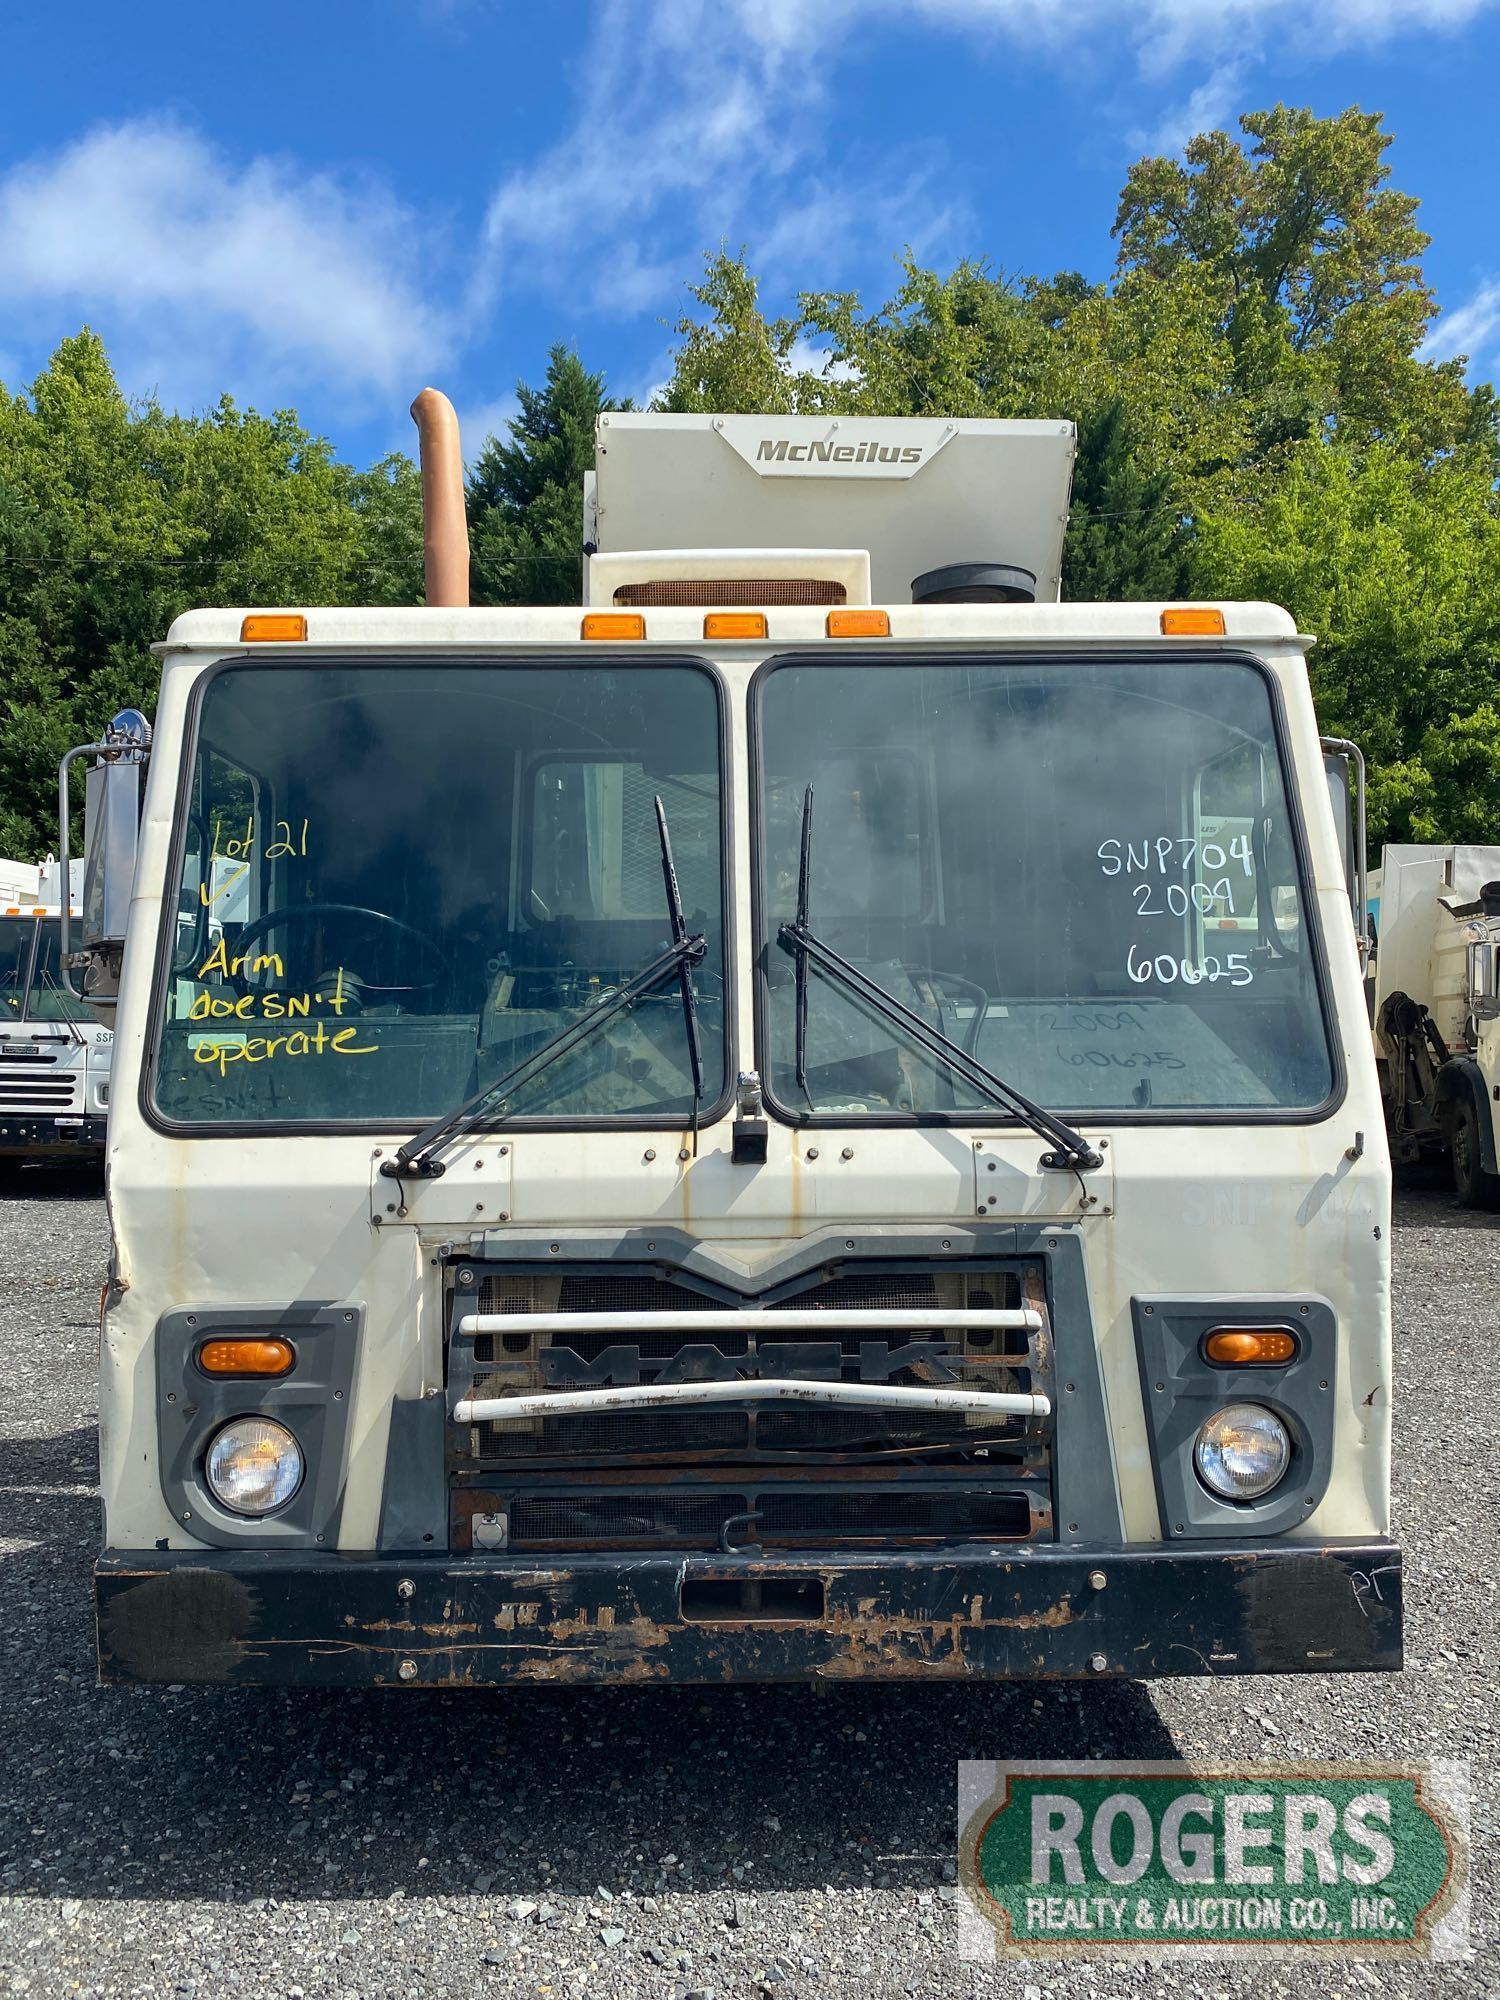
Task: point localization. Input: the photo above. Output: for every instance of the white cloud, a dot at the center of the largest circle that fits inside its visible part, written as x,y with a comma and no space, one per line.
216,273
479,422
1163,33
697,124
1472,329
805,357
701,121
1209,108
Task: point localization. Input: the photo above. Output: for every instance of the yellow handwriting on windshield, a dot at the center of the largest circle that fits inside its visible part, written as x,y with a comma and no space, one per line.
223,889
301,1042
285,840
264,1006
219,960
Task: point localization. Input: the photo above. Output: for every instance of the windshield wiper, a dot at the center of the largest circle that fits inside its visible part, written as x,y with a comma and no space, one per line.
75,1033
419,1156
804,875
1071,1150
683,944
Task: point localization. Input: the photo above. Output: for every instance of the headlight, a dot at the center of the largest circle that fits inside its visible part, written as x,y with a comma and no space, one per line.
254,1466
1242,1451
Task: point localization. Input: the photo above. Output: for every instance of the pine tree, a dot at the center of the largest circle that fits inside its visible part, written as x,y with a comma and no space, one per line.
1127,536
526,494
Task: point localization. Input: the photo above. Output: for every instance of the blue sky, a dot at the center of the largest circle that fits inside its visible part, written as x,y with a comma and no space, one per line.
329,205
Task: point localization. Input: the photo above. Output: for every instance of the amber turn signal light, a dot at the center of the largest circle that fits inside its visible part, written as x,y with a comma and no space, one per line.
1250,1346
1187,620
246,1357
273,625
858,625
735,625
614,625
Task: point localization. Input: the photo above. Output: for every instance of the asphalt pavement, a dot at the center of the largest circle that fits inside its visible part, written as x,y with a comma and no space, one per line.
725,1842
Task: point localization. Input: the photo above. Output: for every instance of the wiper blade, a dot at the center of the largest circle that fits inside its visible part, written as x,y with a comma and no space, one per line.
681,943
419,1156
804,877
1071,1149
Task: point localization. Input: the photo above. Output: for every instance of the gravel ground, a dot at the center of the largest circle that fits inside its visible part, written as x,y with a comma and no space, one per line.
755,1843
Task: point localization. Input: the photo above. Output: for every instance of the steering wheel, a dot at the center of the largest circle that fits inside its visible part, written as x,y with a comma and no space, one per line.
305,913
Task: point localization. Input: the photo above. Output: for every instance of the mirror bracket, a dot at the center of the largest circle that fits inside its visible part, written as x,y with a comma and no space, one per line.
1359,888
112,812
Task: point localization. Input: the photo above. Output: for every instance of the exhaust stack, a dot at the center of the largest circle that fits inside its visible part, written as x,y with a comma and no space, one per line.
445,527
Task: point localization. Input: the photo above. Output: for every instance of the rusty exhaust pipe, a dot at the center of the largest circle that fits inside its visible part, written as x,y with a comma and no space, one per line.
445,527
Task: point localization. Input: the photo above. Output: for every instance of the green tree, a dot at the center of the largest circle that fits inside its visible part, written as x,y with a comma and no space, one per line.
735,359
387,501
525,496
1314,267
1450,790
1394,564
115,517
1128,536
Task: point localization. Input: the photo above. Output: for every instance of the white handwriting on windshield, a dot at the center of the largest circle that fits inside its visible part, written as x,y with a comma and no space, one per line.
1174,854
1167,969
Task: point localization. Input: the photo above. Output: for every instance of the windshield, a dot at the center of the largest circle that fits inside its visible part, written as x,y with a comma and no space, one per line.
1084,875
49,999
396,882
15,963
34,993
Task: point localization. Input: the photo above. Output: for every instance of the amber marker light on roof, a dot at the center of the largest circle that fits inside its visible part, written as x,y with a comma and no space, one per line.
273,625
735,625
1250,1346
614,625
859,625
246,1357
1185,621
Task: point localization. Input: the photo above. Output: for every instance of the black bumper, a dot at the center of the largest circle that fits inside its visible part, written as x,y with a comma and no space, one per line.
38,1134
1137,1612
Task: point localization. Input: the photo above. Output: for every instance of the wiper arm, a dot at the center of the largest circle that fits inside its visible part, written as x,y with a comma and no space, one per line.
1071,1150
75,1033
419,1156
682,943
804,877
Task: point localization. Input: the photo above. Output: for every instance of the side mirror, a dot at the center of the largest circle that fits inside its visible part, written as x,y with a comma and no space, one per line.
1341,759
112,818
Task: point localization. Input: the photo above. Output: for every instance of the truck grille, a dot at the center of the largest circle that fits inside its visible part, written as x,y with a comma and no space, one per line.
35,1083
930,1475
751,1517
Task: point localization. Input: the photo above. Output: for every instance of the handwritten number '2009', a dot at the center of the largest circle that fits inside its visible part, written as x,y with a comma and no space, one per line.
1201,896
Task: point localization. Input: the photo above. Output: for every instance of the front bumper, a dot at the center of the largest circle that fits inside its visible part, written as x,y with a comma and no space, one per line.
40,1133
257,1618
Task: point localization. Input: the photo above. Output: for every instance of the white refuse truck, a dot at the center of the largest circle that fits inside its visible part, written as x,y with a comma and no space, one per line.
811,1117
1437,1012
54,1055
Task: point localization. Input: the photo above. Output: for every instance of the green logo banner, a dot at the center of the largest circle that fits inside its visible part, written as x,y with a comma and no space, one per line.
1352,1860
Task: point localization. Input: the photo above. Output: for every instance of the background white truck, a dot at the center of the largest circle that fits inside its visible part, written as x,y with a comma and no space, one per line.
54,1055
1437,1011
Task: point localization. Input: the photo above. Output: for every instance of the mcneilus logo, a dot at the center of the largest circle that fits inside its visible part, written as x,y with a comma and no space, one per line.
1126,1860
780,451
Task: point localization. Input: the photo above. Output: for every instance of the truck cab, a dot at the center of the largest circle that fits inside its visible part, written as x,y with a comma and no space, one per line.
1436,1012
810,1117
54,1055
